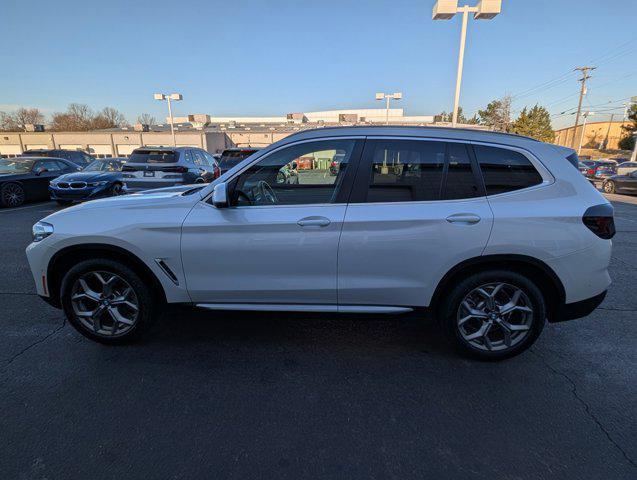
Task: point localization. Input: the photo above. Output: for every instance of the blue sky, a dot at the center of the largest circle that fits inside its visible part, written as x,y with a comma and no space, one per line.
271,57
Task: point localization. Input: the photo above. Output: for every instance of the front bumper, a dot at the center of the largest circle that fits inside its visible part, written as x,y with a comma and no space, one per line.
79,194
583,308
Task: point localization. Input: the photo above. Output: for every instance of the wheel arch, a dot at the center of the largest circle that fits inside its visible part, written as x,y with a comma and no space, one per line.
69,256
539,272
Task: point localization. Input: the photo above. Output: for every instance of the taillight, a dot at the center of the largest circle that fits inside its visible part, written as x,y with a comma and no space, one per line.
591,171
334,163
599,220
181,169
216,171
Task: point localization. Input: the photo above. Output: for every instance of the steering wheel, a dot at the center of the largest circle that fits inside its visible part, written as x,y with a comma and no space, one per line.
264,191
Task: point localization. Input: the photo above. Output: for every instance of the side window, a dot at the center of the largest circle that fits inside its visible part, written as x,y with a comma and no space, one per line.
306,173
188,156
505,170
405,170
209,159
461,181
50,165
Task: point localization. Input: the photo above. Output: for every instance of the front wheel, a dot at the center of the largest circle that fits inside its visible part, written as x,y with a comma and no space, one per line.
107,302
12,195
494,315
609,186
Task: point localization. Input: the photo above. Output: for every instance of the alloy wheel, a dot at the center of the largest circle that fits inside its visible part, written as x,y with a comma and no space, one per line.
609,187
12,195
495,317
105,303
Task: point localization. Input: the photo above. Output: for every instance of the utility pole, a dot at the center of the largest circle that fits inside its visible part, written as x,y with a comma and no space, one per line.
582,92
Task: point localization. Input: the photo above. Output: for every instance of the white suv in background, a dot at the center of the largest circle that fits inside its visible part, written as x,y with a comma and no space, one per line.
493,233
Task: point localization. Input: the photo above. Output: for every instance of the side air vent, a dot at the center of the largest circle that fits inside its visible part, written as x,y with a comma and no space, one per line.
166,269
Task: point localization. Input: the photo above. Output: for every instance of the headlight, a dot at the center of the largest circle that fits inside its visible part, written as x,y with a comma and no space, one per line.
98,184
41,230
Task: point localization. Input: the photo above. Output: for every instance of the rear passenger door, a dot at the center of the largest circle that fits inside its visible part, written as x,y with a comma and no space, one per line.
417,209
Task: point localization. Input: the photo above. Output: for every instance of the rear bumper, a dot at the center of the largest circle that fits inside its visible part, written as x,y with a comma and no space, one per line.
583,308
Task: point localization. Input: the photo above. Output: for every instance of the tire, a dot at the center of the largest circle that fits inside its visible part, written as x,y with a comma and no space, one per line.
12,195
609,187
459,323
142,296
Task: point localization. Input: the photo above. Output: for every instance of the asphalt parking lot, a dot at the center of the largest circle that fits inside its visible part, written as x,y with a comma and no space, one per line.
296,396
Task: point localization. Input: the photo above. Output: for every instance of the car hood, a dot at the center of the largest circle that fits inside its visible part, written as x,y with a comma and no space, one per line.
149,199
89,176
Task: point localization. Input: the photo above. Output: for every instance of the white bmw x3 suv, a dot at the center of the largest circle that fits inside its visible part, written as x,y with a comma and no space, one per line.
493,233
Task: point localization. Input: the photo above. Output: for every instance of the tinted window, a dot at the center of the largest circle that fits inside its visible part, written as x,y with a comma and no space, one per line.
230,158
405,171
153,156
505,170
209,159
198,158
298,174
50,165
461,181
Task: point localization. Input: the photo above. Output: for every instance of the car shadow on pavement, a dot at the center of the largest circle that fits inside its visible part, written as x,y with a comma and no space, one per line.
408,333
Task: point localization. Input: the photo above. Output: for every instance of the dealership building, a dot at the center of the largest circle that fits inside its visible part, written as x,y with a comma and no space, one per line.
200,130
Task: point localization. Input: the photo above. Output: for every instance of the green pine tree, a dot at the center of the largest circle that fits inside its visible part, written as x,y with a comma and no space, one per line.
535,123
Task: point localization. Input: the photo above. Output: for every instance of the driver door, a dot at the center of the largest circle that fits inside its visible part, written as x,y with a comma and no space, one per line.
276,244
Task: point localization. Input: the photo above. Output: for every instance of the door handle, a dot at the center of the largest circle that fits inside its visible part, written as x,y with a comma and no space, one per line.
314,222
463,218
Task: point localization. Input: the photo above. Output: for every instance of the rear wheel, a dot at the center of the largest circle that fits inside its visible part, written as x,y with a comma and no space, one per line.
494,315
12,195
609,186
107,302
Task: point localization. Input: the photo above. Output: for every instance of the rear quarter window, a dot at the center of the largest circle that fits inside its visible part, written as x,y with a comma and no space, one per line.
505,170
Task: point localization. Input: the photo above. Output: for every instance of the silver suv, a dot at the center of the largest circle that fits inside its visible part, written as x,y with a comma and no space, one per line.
491,233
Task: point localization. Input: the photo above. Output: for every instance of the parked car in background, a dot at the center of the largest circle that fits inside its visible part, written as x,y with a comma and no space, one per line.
492,233
626,167
25,179
593,165
626,183
78,157
102,178
605,171
157,167
232,156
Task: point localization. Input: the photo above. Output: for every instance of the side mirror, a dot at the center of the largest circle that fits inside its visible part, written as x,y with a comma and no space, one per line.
220,195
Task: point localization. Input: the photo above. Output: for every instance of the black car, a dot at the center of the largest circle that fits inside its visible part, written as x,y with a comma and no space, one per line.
158,167
102,178
76,156
24,179
621,183
232,156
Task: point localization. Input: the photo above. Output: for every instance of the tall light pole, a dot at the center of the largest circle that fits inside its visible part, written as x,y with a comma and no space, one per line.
446,10
387,97
581,137
173,96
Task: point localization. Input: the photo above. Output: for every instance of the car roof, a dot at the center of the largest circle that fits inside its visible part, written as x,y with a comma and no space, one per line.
415,131
42,158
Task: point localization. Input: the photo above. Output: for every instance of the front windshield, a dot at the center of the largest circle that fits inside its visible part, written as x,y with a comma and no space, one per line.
15,165
95,166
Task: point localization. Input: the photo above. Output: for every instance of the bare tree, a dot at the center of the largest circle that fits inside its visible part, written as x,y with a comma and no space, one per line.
77,118
146,119
17,120
109,118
